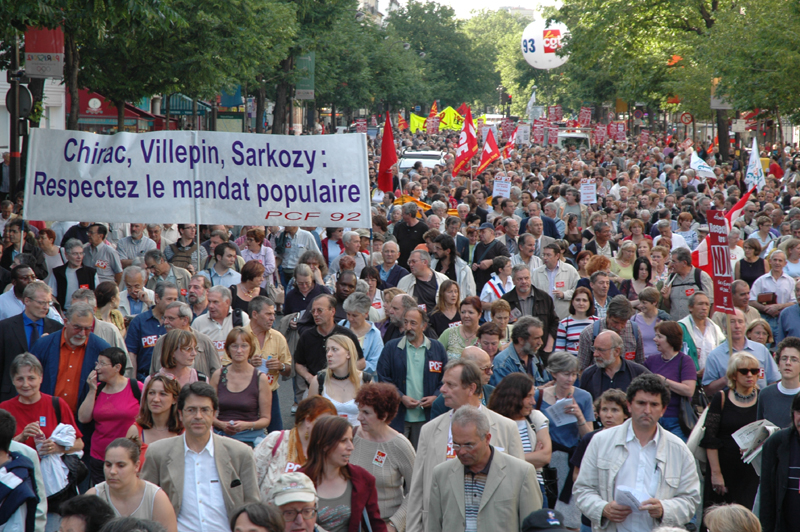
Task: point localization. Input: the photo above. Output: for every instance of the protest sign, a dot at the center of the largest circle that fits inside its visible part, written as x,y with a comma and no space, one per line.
502,187
588,192
198,177
555,113
523,135
720,261
361,125
432,125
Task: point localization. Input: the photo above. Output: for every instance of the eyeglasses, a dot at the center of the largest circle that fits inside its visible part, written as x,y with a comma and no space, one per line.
101,364
193,410
751,371
76,328
307,513
487,369
40,302
466,446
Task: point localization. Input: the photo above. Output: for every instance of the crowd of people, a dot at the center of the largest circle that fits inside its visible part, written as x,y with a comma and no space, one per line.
471,360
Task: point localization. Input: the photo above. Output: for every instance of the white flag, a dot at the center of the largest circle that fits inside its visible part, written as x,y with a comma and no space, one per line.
700,166
755,172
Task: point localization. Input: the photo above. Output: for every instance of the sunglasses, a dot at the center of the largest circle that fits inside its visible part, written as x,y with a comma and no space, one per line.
751,371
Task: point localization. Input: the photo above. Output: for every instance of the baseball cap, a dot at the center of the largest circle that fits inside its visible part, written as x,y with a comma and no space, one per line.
544,520
363,233
486,225
292,487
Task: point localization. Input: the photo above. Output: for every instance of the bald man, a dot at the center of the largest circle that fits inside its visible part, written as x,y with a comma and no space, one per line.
484,362
610,368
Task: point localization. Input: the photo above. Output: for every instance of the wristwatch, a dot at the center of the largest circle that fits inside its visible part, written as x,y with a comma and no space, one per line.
283,367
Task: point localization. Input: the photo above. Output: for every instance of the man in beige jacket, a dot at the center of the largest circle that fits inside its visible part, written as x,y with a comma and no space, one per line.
461,385
483,488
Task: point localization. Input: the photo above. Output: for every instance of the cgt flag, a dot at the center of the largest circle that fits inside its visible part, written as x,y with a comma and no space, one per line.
467,144
388,157
402,125
511,144
490,152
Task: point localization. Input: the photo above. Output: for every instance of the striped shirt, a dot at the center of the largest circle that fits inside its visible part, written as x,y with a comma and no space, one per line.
569,333
474,483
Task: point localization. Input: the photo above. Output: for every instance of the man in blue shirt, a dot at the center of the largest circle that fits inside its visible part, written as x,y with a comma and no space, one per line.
146,328
714,376
789,319
520,356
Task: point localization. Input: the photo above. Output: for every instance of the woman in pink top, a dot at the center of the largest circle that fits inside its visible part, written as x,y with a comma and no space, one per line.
112,403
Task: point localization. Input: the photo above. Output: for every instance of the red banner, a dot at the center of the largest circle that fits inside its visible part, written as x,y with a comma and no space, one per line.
555,113
720,261
644,137
506,127
432,125
585,116
537,136
552,135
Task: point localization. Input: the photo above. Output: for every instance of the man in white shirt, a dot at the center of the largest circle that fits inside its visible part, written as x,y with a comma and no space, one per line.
527,243
352,248
206,477
700,334
222,272
645,461
665,230
291,243
776,282
556,278
220,319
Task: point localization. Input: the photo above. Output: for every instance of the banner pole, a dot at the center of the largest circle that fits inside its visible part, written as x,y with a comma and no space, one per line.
196,210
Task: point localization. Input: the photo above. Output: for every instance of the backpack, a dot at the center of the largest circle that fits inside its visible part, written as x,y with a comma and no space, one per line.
596,329
698,279
365,379
137,393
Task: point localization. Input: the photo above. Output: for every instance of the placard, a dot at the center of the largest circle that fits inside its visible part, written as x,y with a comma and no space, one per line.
199,177
502,187
720,261
588,192
361,125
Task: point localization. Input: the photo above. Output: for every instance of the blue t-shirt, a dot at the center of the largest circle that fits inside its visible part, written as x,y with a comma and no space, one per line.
568,435
680,368
717,363
143,333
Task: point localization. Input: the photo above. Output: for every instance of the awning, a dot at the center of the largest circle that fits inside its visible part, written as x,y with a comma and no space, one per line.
180,104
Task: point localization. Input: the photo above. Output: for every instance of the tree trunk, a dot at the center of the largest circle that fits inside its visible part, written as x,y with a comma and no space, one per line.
722,135
195,125
281,98
261,104
333,119
72,61
120,105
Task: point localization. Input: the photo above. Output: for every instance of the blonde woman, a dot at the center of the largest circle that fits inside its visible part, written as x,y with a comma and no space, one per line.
341,380
622,263
728,479
731,518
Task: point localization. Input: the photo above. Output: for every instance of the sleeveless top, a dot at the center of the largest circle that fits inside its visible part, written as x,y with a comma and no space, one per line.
145,509
750,272
348,409
238,406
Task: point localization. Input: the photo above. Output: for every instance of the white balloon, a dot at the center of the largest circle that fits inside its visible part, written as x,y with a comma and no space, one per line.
540,42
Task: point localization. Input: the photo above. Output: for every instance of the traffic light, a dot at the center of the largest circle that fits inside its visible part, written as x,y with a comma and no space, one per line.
509,99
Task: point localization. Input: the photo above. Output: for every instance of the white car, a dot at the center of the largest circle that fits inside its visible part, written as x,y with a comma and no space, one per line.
429,159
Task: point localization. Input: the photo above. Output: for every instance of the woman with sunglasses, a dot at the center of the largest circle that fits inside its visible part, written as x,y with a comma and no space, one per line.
728,479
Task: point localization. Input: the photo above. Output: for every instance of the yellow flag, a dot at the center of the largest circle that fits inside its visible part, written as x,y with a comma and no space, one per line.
450,119
416,123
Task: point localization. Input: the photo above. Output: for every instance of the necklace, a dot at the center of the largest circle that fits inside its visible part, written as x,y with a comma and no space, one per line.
338,378
744,398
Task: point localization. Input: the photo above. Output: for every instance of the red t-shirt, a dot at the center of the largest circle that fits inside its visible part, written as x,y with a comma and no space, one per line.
41,411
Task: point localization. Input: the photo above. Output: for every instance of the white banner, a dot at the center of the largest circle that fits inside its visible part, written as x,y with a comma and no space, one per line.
754,177
198,177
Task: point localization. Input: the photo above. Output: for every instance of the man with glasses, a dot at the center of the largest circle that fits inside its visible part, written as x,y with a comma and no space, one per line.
12,302
19,332
100,256
296,498
161,270
610,369
220,319
484,362
206,477
775,401
68,356
345,285
715,379
185,253
747,221
461,385
423,282
73,275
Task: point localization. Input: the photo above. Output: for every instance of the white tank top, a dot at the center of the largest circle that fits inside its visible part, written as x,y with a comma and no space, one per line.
348,409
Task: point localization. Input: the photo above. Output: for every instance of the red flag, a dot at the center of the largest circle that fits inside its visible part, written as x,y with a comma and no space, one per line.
700,256
511,144
467,144
434,110
490,152
402,125
388,157
462,109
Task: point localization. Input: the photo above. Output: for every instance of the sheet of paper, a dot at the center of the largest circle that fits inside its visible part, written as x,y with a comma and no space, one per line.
558,414
630,497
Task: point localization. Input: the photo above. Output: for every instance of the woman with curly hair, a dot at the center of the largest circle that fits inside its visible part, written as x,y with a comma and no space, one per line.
599,263
514,398
384,452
